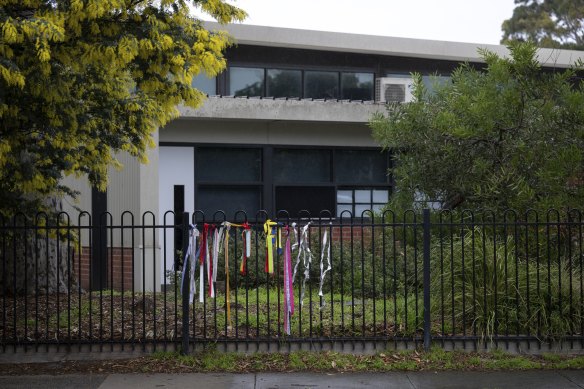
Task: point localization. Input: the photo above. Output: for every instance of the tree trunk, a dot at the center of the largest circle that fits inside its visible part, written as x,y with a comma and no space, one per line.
34,259
37,267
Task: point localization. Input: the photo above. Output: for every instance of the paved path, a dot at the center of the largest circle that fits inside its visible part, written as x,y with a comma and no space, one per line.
412,380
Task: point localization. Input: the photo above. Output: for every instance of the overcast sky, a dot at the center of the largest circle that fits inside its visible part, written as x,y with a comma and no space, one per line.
475,21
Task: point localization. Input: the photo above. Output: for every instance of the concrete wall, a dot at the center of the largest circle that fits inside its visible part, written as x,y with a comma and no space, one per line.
267,132
334,111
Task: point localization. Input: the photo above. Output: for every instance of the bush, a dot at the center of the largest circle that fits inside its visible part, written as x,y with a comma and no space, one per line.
490,287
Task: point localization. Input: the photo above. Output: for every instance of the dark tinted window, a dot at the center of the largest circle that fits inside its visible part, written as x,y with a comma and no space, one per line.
284,83
246,81
361,166
311,198
321,85
357,86
229,200
215,164
302,166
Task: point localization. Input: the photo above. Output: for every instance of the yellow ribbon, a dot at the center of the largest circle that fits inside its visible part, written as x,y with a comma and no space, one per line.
269,246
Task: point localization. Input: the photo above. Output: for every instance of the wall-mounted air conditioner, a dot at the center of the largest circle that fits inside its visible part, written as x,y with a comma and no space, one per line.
393,89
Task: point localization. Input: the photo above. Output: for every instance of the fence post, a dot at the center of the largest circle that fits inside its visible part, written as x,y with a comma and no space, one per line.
426,239
186,283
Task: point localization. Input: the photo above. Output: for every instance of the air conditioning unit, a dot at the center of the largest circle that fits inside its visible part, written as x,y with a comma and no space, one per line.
393,89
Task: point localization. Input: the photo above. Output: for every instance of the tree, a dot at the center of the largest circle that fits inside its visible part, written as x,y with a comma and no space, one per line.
81,80
508,136
548,23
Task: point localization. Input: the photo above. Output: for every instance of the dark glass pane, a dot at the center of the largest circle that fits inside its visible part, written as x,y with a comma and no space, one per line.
205,84
321,85
284,83
361,166
246,81
229,200
302,166
311,198
179,208
357,86
217,164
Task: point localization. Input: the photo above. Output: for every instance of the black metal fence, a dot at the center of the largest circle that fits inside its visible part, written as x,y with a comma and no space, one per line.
474,279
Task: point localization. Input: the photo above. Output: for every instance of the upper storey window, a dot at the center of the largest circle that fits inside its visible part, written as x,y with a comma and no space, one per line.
297,83
207,85
246,81
357,86
321,85
284,83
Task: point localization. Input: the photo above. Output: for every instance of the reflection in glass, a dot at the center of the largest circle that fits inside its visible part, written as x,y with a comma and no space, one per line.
357,86
363,196
284,83
380,196
360,208
321,85
345,196
246,81
347,208
378,207
205,84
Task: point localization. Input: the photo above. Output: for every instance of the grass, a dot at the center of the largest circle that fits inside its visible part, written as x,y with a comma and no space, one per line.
390,360
332,314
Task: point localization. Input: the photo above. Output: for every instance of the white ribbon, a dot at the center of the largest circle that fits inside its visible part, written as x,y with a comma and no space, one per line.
304,255
326,251
190,256
217,240
193,244
247,243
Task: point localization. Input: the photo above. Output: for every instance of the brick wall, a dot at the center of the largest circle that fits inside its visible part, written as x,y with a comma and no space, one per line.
119,262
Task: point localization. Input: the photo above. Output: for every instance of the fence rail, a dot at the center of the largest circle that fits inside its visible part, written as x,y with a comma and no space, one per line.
416,278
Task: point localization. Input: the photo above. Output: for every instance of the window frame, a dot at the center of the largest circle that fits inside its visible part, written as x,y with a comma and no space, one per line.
303,70
267,185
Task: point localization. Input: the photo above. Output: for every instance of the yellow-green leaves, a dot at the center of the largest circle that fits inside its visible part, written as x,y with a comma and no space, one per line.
10,32
82,80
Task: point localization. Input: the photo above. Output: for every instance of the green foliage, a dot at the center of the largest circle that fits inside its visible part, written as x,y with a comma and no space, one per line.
83,80
548,23
490,286
508,136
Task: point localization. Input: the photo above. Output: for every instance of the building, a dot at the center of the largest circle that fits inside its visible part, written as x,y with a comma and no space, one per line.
284,127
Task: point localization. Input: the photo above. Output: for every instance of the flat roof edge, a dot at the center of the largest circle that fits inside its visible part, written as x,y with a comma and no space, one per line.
380,45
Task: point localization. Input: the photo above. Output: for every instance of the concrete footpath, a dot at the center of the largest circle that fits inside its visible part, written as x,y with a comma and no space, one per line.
448,379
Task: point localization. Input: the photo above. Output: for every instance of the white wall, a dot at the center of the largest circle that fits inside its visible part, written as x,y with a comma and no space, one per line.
176,167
